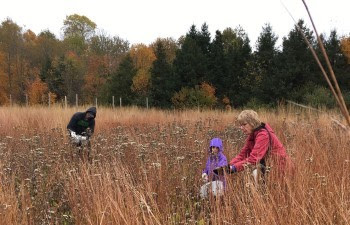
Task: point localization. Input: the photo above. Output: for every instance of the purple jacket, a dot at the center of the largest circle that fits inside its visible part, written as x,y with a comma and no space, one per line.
215,161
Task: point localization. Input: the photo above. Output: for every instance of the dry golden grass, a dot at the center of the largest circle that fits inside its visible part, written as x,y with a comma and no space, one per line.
146,167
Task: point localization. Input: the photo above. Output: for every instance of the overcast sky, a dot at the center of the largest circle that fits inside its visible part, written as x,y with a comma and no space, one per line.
142,21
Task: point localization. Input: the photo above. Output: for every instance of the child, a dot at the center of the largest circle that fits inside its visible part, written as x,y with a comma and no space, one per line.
213,182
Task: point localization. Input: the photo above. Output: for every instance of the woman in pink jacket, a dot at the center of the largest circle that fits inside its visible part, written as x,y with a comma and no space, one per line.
261,149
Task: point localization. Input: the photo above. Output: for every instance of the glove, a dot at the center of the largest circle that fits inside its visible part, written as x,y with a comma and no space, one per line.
81,138
75,138
227,169
205,177
72,133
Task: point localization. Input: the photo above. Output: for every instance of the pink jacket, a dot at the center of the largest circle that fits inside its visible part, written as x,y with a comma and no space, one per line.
256,148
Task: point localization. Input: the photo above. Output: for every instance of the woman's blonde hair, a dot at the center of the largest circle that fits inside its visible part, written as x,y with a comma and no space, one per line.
250,117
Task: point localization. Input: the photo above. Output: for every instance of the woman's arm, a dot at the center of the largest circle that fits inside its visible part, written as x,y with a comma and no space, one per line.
258,151
243,153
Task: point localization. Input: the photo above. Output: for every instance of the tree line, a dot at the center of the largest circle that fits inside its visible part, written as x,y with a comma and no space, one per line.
197,70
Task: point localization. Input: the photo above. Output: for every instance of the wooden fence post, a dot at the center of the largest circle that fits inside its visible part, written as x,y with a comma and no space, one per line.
76,100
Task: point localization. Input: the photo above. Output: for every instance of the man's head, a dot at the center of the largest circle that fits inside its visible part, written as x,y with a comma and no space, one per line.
90,113
89,116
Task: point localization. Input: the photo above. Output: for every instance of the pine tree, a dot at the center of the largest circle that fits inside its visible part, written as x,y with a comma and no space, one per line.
264,66
238,56
48,49
120,82
203,39
297,68
217,65
162,79
191,62
338,61
54,78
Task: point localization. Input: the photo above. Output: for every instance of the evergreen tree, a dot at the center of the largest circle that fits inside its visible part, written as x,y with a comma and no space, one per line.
264,66
170,46
266,48
217,65
191,62
297,68
203,39
338,61
68,74
162,79
48,49
121,81
54,78
238,56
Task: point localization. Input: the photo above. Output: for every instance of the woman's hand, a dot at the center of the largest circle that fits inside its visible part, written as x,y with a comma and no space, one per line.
225,169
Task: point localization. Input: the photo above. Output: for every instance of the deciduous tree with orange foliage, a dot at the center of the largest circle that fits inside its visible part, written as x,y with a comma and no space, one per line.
345,46
38,93
3,81
10,45
142,57
96,77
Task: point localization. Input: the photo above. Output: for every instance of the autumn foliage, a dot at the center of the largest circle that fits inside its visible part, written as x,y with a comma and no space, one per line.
143,58
88,63
95,77
3,81
201,96
345,45
38,93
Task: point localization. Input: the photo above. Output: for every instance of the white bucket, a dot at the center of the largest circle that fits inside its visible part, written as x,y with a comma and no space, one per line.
215,187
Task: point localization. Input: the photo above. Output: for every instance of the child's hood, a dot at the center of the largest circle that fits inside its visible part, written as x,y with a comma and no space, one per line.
216,142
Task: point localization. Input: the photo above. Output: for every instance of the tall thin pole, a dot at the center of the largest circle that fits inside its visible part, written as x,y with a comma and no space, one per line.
120,101
113,101
147,102
76,100
339,94
96,102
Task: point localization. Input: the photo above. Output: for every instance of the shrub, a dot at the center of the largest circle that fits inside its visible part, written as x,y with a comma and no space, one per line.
320,97
255,103
202,96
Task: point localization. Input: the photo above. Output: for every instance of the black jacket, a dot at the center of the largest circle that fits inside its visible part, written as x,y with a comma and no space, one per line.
78,124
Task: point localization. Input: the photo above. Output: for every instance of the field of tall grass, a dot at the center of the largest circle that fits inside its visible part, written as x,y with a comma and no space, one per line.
145,168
